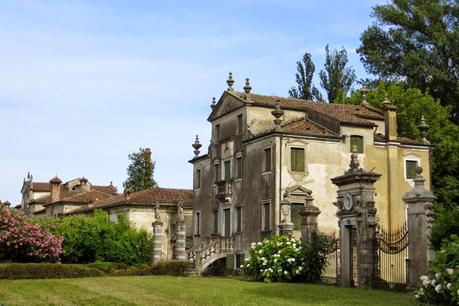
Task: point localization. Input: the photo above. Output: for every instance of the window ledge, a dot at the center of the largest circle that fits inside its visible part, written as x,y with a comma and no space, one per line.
266,172
238,180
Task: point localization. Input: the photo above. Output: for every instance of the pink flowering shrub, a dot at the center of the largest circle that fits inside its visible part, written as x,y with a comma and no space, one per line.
24,241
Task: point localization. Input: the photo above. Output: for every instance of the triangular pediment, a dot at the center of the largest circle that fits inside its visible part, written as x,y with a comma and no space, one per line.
226,104
298,191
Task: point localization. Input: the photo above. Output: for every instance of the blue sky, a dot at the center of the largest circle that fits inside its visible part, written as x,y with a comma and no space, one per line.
84,83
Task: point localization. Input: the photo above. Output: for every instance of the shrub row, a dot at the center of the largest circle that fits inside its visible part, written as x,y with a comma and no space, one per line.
99,268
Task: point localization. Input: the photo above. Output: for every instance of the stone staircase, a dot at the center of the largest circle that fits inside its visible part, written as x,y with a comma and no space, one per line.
207,253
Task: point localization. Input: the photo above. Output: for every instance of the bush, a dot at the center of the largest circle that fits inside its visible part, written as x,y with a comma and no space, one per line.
441,285
446,223
46,270
172,267
96,238
283,258
24,241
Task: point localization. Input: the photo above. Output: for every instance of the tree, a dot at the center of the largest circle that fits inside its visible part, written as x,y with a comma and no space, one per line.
336,79
412,104
305,90
416,41
140,171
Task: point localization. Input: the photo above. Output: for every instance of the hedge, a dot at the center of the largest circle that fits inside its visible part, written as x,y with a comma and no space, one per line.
46,270
172,267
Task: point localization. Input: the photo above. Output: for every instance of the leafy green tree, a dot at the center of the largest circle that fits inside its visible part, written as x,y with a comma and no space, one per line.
416,41
305,89
336,79
443,133
140,171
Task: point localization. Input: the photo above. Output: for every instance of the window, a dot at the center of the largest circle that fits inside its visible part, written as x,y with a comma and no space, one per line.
410,169
217,172
267,160
227,215
297,159
198,178
217,127
216,221
227,165
238,218
239,124
356,144
197,223
295,215
266,215
239,167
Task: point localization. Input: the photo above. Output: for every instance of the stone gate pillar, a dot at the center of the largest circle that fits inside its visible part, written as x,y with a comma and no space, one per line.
180,237
356,214
420,218
157,237
309,215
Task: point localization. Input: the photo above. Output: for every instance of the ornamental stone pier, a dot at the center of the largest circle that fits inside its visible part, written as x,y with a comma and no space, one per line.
180,237
309,219
420,218
286,225
356,213
157,237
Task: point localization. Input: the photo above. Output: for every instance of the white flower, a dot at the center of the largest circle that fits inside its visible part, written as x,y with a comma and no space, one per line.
300,268
242,266
433,282
426,282
457,292
246,259
437,275
248,265
293,259
438,288
416,297
260,251
259,243
285,272
288,242
275,259
448,286
294,245
263,258
253,244
450,271
424,277
280,271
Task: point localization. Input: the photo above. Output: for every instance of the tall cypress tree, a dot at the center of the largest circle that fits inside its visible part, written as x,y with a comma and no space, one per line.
305,89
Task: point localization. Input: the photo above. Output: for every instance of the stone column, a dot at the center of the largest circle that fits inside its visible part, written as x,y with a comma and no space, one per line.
180,241
286,225
309,219
420,218
157,241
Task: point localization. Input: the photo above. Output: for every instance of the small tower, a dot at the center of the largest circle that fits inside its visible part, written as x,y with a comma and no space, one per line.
247,89
230,82
364,91
196,145
214,103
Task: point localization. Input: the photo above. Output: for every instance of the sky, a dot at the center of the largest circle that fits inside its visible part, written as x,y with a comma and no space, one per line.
85,83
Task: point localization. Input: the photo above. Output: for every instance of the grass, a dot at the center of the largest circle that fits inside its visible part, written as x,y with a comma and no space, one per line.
169,290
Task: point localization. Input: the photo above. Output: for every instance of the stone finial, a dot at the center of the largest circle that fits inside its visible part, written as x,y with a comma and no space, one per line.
423,128
214,103
180,214
247,89
364,90
127,193
7,203
230,82
196,145
277,113
157,213
387,105
55,180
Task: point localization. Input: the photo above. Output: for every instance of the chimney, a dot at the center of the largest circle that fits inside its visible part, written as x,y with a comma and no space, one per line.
55,189
390,114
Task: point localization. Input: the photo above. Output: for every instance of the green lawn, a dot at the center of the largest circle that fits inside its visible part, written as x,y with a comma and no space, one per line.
168,290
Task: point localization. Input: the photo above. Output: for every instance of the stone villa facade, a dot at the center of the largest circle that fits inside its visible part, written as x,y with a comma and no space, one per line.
266,149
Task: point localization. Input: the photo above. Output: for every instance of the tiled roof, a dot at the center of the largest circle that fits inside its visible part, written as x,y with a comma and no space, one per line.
405,140
87,197
107,189
344,113
152,196
306,127
40,186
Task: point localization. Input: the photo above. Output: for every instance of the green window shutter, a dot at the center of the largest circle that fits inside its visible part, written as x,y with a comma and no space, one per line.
357,141
267,159
297,159
267,217
227,222
238,219
411,169
227,170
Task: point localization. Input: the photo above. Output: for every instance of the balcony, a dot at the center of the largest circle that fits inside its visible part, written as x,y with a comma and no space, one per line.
224,190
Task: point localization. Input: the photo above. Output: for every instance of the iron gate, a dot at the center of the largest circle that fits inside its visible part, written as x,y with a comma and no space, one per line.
392,255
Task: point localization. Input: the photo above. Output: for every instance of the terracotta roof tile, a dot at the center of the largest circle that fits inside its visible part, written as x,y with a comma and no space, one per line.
87,197
40,186
344,113
306,127
405,140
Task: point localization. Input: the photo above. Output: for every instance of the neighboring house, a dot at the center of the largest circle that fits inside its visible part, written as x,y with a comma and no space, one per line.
56,198
265,148
139,208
